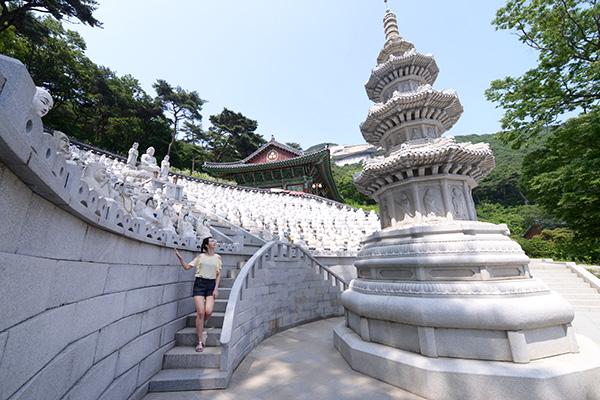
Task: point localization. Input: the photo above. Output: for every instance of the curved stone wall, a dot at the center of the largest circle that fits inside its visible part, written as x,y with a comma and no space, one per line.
90,299
85,313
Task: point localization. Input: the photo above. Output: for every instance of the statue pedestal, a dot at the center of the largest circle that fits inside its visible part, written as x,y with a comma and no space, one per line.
170,190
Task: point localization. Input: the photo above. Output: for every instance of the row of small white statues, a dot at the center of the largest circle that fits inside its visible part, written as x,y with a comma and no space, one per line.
308,222
318,224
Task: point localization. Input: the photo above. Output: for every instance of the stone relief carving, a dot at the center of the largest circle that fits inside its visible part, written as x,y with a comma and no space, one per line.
459,204
429,202
404,208
384,212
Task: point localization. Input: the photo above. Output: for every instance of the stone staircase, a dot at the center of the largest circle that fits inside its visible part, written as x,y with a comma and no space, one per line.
560,278
183,368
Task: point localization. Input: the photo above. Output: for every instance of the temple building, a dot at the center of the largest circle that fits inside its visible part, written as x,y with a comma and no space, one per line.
279,166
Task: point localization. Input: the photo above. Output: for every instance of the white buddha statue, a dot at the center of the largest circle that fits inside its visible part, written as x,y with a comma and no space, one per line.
42,102
133,155
202,228
149,161
187,227
94,174
62,144
164,167
149,213
166,223
125,195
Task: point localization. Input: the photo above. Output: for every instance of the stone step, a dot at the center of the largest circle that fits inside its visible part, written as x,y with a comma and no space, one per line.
580,296
586,309
224,293
188,337
220,304
585,303
171,380
548,267
577,290
215,321
184,357
567,280
226,283
559,286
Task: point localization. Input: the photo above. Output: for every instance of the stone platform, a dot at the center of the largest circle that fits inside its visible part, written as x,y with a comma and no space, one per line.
568,376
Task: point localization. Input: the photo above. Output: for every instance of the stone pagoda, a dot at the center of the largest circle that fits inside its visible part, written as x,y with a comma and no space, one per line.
444,306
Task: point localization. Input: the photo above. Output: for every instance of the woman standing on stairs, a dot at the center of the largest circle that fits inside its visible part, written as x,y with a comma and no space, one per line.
206,285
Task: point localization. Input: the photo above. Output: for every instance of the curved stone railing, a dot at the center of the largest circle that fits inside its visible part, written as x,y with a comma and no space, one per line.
281,286
91,297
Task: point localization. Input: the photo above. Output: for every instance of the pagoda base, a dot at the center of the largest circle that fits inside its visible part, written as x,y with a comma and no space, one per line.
567,376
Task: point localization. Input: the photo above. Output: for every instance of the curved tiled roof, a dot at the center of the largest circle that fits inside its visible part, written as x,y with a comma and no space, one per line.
270,143
239,166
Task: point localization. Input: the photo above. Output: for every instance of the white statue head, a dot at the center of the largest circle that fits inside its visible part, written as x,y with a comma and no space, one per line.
135,145
150,151
42,101
166,158
125,188
62,142
95,171
151,203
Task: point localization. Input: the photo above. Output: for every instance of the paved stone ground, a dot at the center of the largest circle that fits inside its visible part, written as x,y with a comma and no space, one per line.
301,363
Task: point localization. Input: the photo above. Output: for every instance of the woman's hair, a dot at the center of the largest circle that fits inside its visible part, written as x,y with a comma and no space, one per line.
204,246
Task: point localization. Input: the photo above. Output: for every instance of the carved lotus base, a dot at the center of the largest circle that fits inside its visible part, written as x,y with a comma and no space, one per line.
461,290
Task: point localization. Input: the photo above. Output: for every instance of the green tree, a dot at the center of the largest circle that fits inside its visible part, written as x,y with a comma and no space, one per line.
501,186
232,136
20,15
346,187
197,140
563,176
566,34
181,104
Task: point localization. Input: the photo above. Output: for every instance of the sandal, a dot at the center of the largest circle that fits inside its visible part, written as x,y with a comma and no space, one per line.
199,347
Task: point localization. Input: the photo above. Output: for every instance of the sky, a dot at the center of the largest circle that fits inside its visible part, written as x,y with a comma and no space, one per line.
299,67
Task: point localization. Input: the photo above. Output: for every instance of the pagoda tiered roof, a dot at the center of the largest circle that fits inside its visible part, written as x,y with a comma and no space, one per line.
444,156
425,103
409,63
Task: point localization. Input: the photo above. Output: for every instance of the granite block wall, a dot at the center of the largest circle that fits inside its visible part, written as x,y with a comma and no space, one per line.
85,313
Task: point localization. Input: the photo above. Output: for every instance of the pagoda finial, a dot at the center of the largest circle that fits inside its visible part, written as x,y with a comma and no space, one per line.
390,25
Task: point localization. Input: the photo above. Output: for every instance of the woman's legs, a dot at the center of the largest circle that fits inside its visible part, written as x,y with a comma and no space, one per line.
204,309
200,310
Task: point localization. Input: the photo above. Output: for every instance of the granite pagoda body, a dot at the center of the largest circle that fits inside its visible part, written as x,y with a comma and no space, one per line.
443,305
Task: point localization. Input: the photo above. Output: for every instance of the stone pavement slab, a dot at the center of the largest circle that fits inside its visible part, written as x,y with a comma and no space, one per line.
300,363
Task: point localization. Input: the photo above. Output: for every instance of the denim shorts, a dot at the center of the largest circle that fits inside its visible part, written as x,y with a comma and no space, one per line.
204,287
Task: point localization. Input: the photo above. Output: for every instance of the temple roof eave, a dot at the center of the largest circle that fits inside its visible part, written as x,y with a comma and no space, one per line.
238,166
